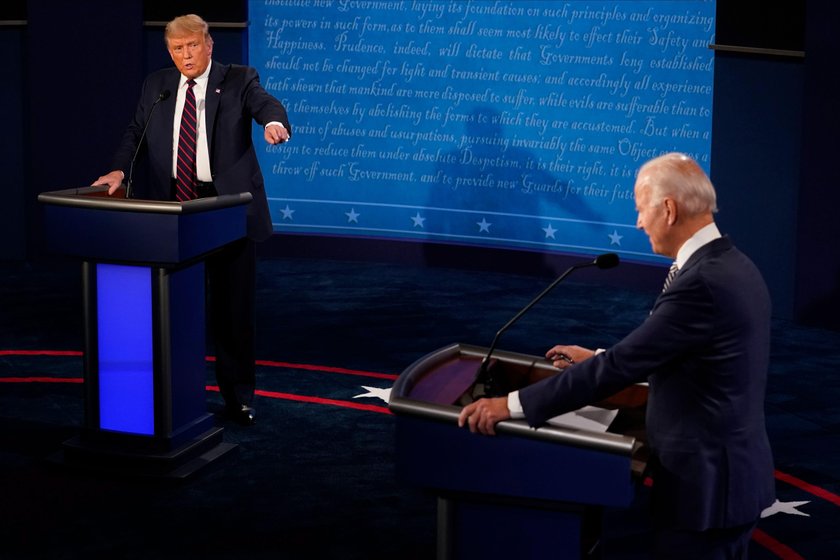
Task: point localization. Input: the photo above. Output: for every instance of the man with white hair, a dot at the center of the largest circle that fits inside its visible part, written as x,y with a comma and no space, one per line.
705,350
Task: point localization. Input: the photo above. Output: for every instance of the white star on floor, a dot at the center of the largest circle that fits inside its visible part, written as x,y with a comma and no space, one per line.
376,393
287,213
352,216
785,507
549,231
418,220
615,238
484,225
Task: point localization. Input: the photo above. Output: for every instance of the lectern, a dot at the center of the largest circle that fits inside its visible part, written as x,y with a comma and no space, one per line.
144,320
525,493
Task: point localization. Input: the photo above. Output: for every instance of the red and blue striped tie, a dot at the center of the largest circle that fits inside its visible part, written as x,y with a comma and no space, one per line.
185,176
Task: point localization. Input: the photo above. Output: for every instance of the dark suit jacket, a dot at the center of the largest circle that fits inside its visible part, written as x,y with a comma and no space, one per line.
704,350
234,98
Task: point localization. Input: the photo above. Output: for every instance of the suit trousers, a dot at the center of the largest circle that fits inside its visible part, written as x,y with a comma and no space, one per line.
231,287
731,543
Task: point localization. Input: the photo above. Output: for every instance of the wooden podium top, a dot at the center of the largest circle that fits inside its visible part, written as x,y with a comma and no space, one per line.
436,387
87,223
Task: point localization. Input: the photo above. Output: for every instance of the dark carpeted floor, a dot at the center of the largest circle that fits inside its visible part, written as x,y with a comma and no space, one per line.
315,477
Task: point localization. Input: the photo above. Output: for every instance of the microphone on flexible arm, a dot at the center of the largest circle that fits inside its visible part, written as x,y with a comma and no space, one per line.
161,97
485,377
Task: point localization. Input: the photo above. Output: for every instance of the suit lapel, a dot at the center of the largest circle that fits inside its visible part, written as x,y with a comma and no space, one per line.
212,99
713,247
168,108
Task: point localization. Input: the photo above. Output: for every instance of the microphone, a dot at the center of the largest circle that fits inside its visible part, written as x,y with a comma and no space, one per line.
161,97
607,260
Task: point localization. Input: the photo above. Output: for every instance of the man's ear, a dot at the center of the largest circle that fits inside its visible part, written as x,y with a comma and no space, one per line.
671,211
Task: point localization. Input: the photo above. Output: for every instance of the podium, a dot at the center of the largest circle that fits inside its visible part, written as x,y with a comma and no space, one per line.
524,493
144,326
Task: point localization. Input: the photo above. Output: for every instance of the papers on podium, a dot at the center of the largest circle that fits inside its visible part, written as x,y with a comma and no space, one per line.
590,418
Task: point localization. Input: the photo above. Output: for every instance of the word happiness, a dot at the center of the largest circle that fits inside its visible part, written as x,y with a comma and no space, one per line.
381,84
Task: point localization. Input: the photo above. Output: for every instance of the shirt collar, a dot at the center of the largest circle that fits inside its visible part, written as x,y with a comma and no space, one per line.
702,236
200,80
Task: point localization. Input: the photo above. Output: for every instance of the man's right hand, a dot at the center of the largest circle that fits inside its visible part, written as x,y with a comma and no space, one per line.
113,180
483,415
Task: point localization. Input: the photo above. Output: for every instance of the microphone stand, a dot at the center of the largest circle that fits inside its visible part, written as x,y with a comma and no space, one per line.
485,377
163,95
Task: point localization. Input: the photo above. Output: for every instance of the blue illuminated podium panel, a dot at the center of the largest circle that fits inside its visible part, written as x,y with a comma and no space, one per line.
144,317
525,493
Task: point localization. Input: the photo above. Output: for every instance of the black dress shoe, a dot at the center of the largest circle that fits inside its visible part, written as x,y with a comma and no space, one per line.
243,415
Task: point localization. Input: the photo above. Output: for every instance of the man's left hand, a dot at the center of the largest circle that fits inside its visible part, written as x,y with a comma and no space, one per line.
276,134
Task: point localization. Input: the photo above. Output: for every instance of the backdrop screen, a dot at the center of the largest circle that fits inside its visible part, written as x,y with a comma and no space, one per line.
515,124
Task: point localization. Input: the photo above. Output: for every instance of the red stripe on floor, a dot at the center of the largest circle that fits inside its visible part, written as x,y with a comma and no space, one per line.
314,400
808,487
781,550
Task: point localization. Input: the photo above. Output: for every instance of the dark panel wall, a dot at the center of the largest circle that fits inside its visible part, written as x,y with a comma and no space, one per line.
818,256
775,149
761,24
756,136
81,82
12,152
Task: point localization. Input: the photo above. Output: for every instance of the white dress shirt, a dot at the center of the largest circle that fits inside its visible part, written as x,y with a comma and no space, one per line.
202,147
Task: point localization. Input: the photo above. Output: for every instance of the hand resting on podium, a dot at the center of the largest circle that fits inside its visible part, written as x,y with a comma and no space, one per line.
482,415
113,180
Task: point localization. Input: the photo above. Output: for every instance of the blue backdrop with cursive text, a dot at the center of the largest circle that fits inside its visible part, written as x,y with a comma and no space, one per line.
514,124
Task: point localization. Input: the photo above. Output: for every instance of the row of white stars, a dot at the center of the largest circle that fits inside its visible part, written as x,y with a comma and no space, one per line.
483,225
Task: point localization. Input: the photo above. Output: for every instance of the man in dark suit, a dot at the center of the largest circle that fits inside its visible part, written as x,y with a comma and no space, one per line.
704,349
217,104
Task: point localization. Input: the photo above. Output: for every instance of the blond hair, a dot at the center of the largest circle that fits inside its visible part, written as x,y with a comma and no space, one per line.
187,25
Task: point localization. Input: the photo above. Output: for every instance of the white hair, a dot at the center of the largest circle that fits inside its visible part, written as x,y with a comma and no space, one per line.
678,176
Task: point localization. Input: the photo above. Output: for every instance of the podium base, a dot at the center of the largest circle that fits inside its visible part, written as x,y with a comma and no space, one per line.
177,463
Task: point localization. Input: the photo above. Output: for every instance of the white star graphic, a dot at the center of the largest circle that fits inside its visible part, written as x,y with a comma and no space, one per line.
483,225
549,232
418,220
785,507
376,393
615,239
287,213
352,216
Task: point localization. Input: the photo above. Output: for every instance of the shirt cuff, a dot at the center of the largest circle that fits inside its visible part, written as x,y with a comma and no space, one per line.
274,122
515,406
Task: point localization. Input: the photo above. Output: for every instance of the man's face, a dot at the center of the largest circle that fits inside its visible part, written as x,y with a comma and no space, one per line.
653,220
190,53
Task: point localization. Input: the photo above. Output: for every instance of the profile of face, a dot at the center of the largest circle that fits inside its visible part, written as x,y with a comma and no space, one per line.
191,53
652,219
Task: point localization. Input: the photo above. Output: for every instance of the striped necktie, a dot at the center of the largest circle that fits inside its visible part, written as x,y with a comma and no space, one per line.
672,272
185,184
